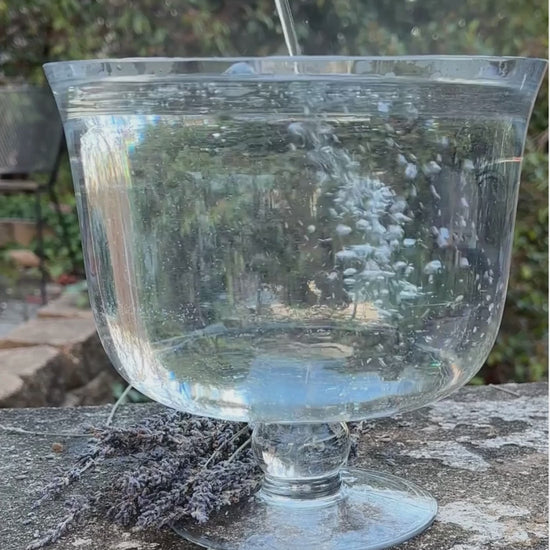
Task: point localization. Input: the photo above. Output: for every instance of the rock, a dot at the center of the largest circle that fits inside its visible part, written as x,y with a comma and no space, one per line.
53,290
10,385
54,354
65,307
40,372
60,333
491,491
24,258
98,391
77,338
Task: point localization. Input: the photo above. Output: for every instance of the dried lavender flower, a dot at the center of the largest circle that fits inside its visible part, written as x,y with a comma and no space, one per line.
77,506
183,467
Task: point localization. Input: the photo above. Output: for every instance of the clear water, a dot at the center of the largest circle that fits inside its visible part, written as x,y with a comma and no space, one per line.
269,249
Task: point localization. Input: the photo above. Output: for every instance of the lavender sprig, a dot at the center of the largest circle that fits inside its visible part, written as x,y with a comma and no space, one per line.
78,506
184,467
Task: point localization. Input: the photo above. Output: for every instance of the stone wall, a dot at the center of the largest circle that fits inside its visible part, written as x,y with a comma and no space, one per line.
55,359
482,453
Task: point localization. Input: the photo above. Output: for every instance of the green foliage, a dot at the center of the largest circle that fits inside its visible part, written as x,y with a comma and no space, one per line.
58,260
79,293
521,351
36,31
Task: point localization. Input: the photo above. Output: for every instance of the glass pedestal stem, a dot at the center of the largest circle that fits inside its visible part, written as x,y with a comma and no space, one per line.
301,461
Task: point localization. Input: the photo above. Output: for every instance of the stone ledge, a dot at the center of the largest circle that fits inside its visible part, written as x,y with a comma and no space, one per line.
58,332
53,360
40,370
10,388
64,307
482,453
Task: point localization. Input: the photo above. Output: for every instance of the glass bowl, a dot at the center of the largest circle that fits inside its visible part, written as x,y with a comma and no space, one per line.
298,243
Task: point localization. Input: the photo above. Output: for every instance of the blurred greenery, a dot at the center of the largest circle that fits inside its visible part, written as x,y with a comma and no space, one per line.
36,31
55,251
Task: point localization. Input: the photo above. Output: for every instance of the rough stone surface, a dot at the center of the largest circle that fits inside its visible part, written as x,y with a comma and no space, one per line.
10,386
98,391
24,258
43,360
53,332
482,453
64,307
40,371
89,359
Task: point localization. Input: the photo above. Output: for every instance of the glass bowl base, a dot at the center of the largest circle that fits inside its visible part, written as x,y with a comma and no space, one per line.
373,510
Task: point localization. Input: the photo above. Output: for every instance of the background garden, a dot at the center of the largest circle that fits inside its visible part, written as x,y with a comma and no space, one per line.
36,31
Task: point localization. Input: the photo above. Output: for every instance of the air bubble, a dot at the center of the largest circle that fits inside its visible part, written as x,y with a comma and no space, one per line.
411,171
434,192
434,266
343,230
240,68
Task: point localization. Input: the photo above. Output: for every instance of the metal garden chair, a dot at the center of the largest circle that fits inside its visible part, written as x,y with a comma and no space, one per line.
31,143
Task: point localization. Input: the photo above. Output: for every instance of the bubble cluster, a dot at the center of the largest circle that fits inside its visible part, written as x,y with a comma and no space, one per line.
370,216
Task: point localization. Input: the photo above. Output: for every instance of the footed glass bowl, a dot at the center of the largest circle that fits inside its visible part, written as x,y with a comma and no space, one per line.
299,243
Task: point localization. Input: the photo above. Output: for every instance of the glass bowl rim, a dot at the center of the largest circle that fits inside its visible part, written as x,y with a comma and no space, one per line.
297,59
507,71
